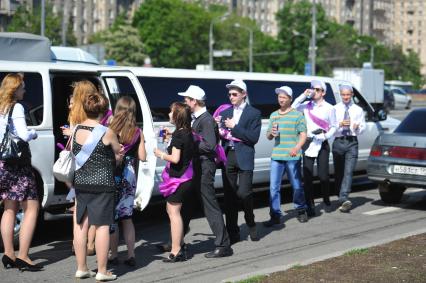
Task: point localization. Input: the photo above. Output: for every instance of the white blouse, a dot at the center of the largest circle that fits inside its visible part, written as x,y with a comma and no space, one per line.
18,126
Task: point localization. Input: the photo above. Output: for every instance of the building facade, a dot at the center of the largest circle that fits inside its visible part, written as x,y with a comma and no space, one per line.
409,27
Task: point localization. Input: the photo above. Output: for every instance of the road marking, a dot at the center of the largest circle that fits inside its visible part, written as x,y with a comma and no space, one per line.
414,190
382,210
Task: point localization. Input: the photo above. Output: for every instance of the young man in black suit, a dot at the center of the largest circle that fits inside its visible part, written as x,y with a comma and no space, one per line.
204,163
240,131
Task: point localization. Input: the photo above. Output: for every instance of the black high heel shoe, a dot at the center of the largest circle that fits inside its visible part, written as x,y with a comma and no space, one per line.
180,256
25,266
8,262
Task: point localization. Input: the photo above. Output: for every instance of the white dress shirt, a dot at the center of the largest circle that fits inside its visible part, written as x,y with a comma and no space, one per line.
323,110
238,110
18,126
356,115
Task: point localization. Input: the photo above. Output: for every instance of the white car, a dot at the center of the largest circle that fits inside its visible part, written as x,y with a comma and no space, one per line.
402,99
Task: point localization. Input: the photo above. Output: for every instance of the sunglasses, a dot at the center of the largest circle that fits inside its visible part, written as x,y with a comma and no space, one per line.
317,89
234,94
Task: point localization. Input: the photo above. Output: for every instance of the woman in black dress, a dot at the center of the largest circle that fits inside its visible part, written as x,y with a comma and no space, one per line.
177,175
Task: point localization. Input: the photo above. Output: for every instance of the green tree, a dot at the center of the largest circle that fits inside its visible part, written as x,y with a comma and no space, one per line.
127,50
28,21
175,33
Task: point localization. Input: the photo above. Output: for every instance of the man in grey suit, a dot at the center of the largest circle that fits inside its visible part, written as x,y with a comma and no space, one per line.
206,130
240,131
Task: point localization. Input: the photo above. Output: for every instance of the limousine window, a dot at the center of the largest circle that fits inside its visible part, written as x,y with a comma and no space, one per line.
161,92
33,97
122,86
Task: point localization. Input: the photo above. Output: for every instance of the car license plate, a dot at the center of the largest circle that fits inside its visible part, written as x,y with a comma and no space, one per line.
410,170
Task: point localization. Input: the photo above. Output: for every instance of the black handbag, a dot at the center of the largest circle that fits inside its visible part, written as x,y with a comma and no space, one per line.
14,150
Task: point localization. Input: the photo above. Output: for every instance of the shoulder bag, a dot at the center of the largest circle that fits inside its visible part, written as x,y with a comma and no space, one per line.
14,150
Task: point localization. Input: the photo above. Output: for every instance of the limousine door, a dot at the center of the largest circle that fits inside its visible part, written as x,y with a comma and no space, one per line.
121,83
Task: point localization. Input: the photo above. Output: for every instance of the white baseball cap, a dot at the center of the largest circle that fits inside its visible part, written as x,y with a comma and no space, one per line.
237,83
318,83
194,92
284,89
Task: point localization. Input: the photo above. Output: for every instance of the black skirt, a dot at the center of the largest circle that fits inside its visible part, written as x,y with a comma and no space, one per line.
99,206
181,192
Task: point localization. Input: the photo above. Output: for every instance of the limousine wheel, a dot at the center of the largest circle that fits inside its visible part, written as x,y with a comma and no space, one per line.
392,193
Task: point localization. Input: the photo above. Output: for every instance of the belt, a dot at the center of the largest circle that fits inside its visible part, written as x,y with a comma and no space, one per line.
230,148
348,138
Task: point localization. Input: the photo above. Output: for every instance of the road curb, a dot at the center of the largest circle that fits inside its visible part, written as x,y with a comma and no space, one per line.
268,271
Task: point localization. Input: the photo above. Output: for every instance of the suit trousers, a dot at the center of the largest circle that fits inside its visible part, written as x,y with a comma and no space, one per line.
323,173
237,186
205,170
345,156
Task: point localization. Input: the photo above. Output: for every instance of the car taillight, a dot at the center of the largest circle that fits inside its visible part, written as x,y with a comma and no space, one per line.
407,152
376,151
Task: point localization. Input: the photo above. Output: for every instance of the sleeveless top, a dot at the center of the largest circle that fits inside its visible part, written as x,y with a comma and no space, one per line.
97,174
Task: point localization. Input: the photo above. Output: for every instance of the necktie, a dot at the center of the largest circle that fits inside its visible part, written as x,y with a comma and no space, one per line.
346,130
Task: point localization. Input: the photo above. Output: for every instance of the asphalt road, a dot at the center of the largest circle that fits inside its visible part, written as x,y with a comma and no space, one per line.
329,234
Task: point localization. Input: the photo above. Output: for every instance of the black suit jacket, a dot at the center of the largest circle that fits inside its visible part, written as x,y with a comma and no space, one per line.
206,126
248,131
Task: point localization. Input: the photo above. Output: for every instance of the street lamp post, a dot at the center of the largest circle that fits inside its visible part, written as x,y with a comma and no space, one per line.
43,18
237,25
211,39
313,46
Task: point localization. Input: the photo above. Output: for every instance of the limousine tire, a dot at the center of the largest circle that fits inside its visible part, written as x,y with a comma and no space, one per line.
391,194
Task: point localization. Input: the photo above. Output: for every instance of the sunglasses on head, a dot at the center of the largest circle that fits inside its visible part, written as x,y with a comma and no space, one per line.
234,94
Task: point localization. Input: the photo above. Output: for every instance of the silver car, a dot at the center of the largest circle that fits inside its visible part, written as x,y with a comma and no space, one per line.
398,160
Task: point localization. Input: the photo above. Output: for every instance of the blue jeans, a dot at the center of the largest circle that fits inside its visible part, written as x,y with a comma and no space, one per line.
278,169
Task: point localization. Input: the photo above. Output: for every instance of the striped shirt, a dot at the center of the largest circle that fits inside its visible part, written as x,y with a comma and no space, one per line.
289,127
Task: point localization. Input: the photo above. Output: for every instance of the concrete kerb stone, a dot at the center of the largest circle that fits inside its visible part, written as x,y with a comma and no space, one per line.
274,269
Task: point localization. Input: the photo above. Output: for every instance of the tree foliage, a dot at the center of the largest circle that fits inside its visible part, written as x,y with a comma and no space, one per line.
124,45
25,20
175,33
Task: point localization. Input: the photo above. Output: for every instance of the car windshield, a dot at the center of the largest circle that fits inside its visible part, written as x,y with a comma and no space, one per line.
413,123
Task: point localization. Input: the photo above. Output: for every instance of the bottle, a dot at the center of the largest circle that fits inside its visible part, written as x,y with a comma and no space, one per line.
160,138
67,127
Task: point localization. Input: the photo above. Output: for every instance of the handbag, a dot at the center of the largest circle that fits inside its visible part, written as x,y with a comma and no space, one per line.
67,163
14,150
64,167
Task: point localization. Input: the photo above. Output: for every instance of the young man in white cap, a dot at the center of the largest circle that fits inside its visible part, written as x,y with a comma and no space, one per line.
351,123
206,128
321,125
287,127
243,123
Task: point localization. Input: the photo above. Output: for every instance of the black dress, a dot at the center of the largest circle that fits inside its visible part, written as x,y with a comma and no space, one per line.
94,184
181,139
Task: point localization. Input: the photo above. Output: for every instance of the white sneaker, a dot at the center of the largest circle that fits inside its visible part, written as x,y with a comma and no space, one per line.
105,277
346,206
84,274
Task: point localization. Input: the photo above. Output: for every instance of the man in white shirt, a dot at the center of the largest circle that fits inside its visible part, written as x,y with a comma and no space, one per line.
351,123
321,125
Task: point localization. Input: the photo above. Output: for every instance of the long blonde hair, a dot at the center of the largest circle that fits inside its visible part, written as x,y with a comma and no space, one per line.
8,87
124,121
77,114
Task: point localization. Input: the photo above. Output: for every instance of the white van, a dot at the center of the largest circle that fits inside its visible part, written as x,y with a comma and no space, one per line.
48,85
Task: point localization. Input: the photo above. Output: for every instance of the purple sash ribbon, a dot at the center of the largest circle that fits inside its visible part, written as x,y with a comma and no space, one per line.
169,185
320,122
127,147
220,152
105,118
224,133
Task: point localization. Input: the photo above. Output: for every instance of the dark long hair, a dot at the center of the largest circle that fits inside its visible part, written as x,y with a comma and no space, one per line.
181,115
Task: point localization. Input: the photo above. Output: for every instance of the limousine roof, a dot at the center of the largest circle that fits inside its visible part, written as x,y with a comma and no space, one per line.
185,73
17,66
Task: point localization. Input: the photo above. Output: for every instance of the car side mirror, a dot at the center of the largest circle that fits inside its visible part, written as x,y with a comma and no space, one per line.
380,115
